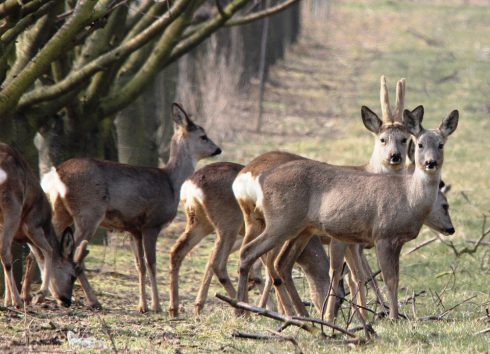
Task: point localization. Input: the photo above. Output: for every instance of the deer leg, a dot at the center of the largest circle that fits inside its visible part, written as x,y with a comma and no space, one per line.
315,262
139,262
283,299
217,261
193,234
284,264
10,227
337,251
28,277
149,245
372,281
85,226
357,278
265,296
389,261
271,237
38,239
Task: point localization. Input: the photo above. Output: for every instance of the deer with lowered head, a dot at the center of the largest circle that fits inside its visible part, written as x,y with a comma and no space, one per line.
140,200
386,210
389,155
25,216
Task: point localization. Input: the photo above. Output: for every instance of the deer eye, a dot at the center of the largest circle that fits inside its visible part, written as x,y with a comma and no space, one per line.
382,140
441,146
204,137
445,207
404,140
421,146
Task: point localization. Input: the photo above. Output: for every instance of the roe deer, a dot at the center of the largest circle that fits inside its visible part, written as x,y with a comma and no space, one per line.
210,205
439,220
389,155
386,210
139,200
25,215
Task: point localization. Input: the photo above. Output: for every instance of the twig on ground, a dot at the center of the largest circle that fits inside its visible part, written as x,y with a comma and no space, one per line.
486,330
419,246
287,338
275,336
414,310
440,316
106,329
411,298
264,312
325,323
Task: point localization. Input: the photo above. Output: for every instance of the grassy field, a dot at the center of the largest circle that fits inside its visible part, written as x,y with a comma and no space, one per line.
312,107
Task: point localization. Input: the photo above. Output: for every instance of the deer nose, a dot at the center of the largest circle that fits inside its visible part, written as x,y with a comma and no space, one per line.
217,152
431,164
65,301
450,231
396,158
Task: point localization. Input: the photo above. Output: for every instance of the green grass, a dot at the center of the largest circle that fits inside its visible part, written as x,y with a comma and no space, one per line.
319,116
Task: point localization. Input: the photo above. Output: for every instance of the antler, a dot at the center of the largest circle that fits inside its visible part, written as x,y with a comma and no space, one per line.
385,102
400,100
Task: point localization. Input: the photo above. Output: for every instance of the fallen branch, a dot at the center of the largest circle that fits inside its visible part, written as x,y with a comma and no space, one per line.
275,336
486,330
440,317
325,323
419,246
264,312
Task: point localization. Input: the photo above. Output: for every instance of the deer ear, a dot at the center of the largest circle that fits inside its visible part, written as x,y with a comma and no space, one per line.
449,124
411,150
67,243
413,120
81,252
371,120
180,116
445,189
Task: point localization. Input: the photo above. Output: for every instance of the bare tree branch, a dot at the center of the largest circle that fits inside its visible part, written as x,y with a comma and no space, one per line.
11,94
260,14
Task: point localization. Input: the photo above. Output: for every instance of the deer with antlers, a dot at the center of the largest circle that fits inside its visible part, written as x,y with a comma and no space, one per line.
389,155
140,200
25,216
387,210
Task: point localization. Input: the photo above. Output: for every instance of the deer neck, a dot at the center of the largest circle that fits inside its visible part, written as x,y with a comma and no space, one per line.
181,163
422,190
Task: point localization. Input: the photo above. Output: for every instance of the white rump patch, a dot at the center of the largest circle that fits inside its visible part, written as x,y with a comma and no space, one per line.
247,187
53,186
189,192
3,175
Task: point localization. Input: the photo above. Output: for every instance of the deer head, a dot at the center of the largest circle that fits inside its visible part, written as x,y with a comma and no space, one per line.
429,144
194,136
66,267
390,147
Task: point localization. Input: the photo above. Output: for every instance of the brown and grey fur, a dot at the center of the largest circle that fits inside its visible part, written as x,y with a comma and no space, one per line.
25,216
388,155
139,200
386,210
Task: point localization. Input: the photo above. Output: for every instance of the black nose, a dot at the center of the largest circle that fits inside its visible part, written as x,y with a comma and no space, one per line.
431,164
450,231
396,158
217,152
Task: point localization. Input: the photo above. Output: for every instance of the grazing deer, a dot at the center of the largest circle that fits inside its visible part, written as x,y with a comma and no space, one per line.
386,210
25,215
389,155
140,200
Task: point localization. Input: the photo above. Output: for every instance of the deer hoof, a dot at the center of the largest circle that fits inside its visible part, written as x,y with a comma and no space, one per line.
156,309
26,299
95,306
142,308
198,309
38,298
173,312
